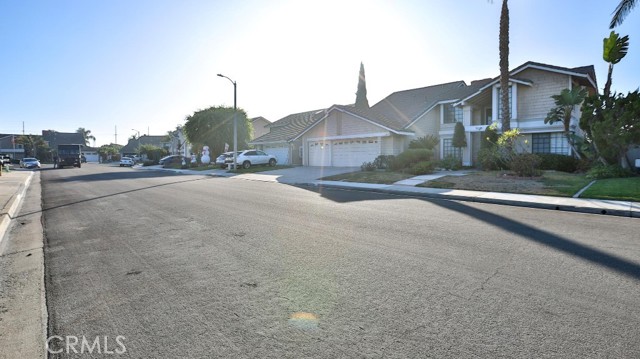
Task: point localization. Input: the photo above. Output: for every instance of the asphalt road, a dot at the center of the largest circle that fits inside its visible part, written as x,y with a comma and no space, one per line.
203,267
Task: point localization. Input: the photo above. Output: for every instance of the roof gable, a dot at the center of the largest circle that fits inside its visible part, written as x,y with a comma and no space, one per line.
289,127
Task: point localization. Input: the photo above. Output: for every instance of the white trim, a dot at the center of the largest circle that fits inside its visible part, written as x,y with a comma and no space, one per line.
324,118
346,137
564,72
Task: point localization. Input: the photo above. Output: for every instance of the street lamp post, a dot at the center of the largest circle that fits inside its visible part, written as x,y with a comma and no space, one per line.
235,123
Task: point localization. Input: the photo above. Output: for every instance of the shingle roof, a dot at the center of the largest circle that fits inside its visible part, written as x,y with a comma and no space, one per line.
55,138
289,127
403,107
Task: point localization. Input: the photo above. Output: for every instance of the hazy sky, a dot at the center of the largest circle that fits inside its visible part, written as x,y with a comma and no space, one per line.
147,64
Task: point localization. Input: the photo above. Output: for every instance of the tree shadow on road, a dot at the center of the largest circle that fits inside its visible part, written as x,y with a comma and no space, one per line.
522,230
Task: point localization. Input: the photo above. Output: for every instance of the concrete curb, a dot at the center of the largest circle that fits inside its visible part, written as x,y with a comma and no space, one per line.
14,204
557,204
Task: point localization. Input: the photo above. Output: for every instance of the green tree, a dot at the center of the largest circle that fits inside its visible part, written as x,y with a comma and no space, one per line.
109,151
459,139
622,10
504,67
213,127
614,125
35,146
566,102
153,153
361,94
86,135
614,49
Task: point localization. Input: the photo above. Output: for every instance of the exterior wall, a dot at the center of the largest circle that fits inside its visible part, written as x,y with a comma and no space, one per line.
534,102
259,128
341,124
427,124
393,145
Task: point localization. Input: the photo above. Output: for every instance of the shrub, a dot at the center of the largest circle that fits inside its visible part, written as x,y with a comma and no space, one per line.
429,142
451,163
422,168
149,163
410,157
383,162
490,159
558,162
490,137
600,171
526,164
368,166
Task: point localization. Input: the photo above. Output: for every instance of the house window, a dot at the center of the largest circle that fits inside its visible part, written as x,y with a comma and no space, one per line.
452,114
500,104
488,113
448,150
549,143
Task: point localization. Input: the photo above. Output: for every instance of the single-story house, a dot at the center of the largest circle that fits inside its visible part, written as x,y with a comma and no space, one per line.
131,148
260,126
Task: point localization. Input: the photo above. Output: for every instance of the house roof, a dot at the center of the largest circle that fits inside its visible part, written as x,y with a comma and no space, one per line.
288,127
133,144
404,107
55,138
259,118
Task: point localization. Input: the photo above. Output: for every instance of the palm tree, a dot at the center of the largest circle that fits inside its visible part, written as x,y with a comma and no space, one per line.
622,10
504,67
86,134
614,49
566,102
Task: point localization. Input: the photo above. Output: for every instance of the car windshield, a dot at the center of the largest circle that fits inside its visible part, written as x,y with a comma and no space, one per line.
29,160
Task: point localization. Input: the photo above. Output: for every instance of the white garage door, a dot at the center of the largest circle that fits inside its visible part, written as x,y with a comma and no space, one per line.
281,153
91,156
352,153
319,153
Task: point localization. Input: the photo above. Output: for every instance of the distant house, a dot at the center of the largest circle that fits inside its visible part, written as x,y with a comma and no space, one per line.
177,143
131,148
9,146
260,126
282,141
55,138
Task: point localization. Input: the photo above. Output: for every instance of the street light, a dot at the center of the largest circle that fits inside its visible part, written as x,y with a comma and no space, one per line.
133,129
235,124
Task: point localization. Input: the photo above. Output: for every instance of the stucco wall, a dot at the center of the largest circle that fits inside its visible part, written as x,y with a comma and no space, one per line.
342,124
427,124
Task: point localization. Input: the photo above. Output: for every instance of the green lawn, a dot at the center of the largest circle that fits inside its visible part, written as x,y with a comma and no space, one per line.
379,177
565,184
621,189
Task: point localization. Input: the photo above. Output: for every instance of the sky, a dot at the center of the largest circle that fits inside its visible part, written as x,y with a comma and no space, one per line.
146,65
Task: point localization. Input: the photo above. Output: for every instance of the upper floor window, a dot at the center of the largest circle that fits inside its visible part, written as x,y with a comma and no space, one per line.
452,114
500,103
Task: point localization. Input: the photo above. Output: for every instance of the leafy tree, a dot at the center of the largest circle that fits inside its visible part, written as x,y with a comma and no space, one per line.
614,49
622,10
614,125
86,134
213,127
109,151
566,102
35,146
153,153
361,94
504,66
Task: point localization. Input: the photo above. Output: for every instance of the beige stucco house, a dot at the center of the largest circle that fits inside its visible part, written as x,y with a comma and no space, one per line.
346,136
260,126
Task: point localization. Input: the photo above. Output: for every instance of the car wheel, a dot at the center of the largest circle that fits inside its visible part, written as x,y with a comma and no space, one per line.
246,164
120,165
272,162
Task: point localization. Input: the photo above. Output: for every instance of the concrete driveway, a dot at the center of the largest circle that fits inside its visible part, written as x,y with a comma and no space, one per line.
297,175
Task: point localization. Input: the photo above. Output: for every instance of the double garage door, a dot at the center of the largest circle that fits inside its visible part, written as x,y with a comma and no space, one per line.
343,153
280,152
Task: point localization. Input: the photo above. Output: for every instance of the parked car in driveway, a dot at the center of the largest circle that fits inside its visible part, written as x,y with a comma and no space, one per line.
248,158
29,162
222,159
126,161
173,159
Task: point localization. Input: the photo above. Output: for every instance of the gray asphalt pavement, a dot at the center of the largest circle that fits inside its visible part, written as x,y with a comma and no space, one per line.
204,267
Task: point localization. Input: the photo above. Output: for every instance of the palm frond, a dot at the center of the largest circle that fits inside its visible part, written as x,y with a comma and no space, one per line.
622,10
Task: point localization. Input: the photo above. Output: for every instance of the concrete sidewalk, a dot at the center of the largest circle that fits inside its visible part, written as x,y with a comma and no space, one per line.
13,186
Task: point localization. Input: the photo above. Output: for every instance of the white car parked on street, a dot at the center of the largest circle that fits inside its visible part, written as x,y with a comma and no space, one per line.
126,161
248,158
